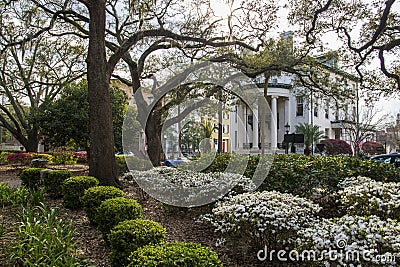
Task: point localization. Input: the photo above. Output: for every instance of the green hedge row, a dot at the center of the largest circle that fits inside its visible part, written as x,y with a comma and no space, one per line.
301,175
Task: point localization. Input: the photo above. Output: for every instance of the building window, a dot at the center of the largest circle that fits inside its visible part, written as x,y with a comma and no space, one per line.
346,112
327,111
236,139
338,133
299,107
316,111
236,113
225,116
327,133
337,115
225,129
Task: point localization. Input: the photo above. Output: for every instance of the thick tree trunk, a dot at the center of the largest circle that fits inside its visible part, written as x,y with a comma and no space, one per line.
153,137
102,163
32,142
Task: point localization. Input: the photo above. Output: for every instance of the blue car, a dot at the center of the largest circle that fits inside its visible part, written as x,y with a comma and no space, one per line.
393,158
174,162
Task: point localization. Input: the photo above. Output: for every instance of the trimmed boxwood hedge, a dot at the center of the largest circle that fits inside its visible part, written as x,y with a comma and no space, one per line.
114,210
93,197
127,236
301,174
53,181
31,178
74,188
172,254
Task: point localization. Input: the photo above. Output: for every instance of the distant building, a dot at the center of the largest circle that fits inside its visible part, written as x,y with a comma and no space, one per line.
287,107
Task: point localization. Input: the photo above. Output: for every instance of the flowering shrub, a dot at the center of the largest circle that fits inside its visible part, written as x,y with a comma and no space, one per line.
63,156
80,157
353,240
262,218
364,196
194,188
337,147
19,158
309,176
372,148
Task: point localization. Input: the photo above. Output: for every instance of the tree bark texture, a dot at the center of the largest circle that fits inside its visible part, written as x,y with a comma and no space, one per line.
102,163
153,137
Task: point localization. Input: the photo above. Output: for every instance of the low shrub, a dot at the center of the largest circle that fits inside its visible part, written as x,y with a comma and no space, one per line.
74,188
53,181
337,147
127,236
93,197
307,176
63,156
364,196
174,254
114,210
261,218
3,156
43,239
185,188
31,178
351,241
81,157
21,158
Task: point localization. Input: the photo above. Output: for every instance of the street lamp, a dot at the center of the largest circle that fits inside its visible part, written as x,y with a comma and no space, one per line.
287,129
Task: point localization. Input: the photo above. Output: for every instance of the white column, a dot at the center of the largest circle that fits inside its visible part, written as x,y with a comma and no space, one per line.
255,128
274,126
288,112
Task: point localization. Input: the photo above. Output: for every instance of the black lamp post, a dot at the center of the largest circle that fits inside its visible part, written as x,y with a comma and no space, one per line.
287,129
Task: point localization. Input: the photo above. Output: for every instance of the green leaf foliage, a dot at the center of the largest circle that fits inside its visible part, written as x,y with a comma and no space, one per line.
53,181
65,122
174,254
303,175
127,236
43,239
114,210
31,178
93,197
74,188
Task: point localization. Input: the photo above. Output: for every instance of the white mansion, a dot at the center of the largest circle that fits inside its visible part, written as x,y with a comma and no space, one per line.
287,108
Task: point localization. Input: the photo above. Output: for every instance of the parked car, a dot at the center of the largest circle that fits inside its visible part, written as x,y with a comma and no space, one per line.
393,158
175,162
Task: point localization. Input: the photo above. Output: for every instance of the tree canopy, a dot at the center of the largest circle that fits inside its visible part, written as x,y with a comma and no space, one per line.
65,122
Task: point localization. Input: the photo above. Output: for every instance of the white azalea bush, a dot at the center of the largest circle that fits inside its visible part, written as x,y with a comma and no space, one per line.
189,188
364,196
261,218
350,241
